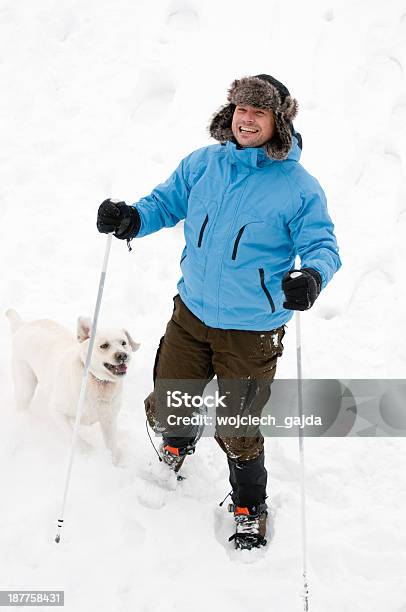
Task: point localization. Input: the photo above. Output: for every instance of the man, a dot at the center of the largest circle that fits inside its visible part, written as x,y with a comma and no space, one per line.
249,208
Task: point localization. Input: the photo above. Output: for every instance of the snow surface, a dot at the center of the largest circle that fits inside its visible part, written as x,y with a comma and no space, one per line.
102,99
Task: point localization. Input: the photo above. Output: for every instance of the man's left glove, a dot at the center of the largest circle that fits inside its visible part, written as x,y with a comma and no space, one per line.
301,288
117,217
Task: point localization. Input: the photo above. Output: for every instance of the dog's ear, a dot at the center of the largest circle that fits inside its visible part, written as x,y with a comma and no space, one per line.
134,345
84,327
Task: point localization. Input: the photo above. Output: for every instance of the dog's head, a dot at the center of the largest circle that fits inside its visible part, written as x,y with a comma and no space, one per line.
111,352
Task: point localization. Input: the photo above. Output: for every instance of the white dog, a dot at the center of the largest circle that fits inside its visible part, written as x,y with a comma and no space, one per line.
48,356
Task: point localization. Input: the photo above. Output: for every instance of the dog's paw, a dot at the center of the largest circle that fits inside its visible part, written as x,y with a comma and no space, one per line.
116,456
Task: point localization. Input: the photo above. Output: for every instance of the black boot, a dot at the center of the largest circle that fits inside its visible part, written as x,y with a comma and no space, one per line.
248,480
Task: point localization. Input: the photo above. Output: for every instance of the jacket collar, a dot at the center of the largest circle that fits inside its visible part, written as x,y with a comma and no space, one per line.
256,157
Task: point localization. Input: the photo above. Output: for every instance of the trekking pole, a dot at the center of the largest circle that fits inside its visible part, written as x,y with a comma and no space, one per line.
301,456
81,399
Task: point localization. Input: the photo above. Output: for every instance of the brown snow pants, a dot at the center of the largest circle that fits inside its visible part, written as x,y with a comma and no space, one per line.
190,354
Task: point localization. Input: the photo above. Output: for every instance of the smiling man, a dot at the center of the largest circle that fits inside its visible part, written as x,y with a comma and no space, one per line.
249,208
252,127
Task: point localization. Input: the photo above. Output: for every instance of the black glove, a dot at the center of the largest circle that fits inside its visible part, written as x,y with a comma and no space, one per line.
119,218
301,291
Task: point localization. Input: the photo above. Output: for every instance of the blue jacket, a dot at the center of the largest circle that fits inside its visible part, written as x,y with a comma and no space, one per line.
246,217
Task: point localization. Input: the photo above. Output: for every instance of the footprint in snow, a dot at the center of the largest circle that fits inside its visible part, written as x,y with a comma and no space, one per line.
154,484
328,312
132,529
183,19
154,95
151,495
328,15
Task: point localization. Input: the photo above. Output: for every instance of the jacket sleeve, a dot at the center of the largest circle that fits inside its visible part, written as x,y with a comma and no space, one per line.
166,205
312,232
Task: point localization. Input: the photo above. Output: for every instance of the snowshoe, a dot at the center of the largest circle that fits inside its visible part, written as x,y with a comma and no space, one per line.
250,526
174,457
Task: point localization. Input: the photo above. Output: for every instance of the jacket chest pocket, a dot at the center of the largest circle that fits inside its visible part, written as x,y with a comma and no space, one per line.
199,220
237,242
202,229
251,241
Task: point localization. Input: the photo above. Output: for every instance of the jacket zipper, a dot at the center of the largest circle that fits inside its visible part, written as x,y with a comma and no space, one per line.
236,243
199,244
182,258
264,287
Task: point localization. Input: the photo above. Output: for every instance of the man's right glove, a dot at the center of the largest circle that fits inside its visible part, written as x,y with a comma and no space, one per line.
117,217
301,288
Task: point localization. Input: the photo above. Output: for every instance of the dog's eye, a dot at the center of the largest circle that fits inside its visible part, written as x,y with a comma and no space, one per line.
105,345
124,343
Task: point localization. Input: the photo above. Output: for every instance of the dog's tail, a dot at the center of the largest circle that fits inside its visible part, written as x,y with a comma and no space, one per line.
14,319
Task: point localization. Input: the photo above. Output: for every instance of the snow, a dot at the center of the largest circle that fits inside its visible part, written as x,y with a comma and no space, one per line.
103,99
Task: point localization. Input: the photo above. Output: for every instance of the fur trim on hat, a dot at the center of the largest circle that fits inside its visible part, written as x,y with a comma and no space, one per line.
253,91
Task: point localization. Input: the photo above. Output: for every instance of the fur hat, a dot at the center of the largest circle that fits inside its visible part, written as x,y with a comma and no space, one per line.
260,91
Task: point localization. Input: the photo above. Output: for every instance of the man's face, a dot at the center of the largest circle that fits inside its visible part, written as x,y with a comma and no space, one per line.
252,127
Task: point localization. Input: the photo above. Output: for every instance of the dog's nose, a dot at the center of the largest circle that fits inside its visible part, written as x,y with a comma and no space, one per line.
121,357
